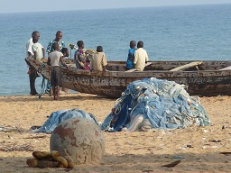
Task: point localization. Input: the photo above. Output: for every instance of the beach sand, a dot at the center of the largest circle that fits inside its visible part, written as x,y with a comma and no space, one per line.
198,148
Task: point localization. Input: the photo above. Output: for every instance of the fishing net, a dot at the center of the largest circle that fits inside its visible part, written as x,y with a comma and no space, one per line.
159,103
59,116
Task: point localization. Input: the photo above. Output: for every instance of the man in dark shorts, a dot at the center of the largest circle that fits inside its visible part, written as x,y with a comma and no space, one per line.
54,60
34,50
58,39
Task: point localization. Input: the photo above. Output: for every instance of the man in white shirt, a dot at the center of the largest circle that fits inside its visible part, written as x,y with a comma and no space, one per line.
141,56
34,50
54,59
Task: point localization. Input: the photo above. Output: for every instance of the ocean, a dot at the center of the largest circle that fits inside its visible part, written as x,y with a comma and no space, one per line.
169,33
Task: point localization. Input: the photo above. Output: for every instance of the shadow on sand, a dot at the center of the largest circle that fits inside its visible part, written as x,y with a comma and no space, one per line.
209,162
25,99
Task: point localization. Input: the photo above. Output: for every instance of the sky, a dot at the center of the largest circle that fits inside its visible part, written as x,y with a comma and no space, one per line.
12,6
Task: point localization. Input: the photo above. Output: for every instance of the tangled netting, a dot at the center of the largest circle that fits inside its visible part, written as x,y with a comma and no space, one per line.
58,117
163,104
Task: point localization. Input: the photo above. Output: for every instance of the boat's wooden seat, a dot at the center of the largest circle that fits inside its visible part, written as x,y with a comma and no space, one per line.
186,66
133,69
71,65
226,68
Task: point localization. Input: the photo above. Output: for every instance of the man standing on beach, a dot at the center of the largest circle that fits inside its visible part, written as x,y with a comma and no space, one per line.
141,56
50,48
58,39
54,59
34,50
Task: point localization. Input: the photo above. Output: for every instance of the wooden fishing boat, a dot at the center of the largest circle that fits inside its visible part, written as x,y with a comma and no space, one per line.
207,78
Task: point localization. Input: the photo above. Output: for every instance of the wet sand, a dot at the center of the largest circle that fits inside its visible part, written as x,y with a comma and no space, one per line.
198,148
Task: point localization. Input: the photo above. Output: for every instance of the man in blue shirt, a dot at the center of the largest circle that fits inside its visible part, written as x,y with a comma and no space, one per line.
58,39
131,52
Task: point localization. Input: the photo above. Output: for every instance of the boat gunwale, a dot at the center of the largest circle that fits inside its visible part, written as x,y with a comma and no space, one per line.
154,72
149,73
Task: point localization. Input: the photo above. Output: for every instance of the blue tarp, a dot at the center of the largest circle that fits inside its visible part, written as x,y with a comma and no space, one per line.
165,104
57,117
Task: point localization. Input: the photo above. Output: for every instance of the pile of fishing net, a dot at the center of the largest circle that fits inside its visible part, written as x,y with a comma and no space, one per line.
145,104
59,116
155,103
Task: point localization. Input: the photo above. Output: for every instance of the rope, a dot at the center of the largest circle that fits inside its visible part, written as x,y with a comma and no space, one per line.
42,88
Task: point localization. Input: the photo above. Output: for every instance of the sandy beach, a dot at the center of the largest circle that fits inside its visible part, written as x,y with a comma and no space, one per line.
198,148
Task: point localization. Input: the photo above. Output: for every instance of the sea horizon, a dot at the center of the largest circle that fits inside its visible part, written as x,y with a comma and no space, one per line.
120,8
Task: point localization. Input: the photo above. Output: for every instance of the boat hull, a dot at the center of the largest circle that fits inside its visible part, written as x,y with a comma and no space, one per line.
113,83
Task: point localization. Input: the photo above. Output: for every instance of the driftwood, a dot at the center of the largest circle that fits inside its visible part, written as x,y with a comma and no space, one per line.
186,66
14,147
11,129
35,137
133,69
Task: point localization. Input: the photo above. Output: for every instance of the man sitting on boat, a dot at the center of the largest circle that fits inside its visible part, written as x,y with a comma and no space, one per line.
35,50
99,60
141,56
131,52
80,57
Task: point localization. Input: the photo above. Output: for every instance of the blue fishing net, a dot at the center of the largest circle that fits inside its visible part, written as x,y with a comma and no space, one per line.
58,117
165,104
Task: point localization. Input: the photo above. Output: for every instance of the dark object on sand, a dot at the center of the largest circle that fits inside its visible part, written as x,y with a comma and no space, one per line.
53,159
34,127
226,153
207,78
215,140
173,164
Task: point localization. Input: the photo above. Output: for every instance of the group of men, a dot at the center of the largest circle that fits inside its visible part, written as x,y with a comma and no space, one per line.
35,50
136,59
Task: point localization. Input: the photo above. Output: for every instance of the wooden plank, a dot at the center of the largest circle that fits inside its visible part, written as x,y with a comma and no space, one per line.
71,65
226,68
133,69
186,66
